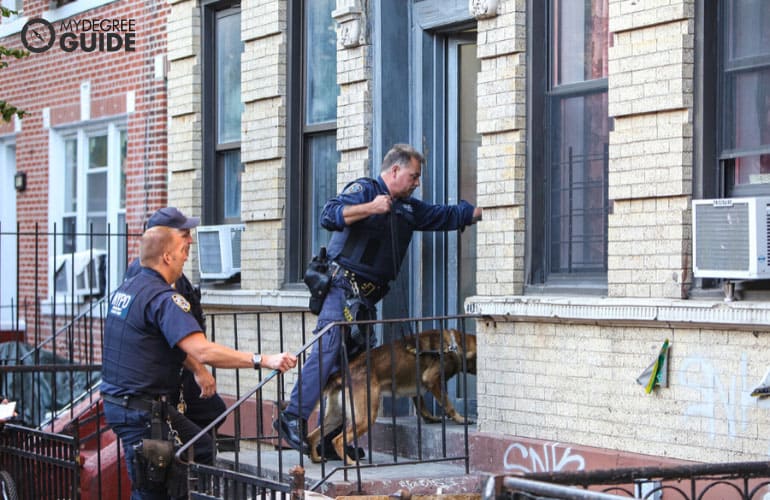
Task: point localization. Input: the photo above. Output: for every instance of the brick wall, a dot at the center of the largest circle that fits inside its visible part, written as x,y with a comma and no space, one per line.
651,147
354,106
576,384
501,157
51,80
263,143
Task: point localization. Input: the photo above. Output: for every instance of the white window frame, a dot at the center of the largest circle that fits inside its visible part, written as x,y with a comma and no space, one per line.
57,140
12,24
8,260
72,9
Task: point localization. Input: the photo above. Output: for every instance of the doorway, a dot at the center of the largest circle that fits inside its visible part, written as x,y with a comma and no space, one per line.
447,261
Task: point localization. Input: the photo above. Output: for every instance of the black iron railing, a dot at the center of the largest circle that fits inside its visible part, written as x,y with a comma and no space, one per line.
41,465
734,481
257,452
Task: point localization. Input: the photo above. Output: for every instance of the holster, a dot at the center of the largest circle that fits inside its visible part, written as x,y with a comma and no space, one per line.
155,465
318,278
153,459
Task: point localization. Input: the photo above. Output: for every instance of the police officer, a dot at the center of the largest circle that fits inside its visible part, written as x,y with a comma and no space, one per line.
372,222
149,334
200,404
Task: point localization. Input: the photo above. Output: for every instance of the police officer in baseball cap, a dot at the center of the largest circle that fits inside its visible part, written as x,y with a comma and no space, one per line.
149,334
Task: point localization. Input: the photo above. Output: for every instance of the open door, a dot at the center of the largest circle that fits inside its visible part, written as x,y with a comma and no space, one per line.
448,260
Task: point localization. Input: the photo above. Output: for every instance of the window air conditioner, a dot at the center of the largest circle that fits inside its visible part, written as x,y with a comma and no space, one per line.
219,250
730,238
89,269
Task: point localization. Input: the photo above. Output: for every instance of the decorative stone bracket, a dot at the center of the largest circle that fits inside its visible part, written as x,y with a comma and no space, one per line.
483,9
351,20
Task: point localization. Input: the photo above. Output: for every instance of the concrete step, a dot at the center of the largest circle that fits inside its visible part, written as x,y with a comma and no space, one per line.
412,438
381,472
380,477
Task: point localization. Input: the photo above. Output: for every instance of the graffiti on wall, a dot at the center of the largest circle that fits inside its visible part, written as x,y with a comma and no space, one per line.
554,458
721,397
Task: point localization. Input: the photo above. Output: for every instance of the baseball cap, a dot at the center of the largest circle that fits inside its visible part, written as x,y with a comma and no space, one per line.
172,217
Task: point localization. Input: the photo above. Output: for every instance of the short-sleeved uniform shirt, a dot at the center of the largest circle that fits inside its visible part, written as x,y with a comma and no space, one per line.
145,321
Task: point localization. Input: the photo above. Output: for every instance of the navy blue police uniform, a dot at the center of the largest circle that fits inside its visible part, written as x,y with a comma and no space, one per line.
366,257
141,363
201,411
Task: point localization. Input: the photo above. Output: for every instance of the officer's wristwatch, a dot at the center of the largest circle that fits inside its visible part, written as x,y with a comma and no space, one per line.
257,360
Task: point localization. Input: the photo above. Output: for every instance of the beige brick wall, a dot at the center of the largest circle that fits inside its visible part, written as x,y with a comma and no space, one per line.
354,105
650,98
649,240
576,384
263,144
501,157
184,110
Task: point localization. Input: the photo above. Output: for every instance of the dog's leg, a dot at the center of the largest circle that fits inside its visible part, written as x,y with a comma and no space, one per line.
419,403
361,407
312,440
332,420
433,384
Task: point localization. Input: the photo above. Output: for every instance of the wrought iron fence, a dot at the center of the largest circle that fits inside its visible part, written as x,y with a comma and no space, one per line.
257,451
734,481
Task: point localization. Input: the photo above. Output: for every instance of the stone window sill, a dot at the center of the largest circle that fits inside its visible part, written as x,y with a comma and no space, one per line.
656,313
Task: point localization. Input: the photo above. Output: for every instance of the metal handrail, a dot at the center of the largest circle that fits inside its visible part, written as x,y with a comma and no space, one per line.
184,452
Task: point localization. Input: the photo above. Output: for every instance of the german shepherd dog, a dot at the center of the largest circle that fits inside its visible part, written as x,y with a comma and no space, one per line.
403,372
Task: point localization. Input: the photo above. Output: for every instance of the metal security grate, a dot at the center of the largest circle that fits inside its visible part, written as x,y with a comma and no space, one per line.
722,234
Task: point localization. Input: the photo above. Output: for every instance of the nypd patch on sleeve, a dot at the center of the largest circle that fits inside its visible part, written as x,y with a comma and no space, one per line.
181,302
356,187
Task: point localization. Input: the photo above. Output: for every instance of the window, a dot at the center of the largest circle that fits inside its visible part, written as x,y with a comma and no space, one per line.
89,213
570,107
222,113
13,5
313,152
744,89
13,22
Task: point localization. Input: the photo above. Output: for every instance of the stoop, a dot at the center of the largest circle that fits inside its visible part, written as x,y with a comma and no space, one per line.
388,475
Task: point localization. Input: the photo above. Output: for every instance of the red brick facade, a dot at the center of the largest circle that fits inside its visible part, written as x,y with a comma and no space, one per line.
118,81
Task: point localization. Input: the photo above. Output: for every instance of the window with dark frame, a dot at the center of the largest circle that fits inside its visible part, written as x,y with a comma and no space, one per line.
222,112
313,154
570,158
744,97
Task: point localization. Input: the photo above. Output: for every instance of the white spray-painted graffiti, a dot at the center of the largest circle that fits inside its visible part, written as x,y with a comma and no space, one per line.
721,396
437,485
549,462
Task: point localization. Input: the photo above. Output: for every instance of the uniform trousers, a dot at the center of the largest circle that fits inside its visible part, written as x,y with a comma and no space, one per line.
132,425
324,359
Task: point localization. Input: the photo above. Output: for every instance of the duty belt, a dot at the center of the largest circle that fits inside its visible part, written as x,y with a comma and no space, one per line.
141,403
361,287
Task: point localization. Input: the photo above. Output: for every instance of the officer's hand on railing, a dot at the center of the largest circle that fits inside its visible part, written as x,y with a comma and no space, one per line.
281,362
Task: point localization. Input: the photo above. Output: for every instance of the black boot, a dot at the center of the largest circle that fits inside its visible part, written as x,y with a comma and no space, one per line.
326,449
293,430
